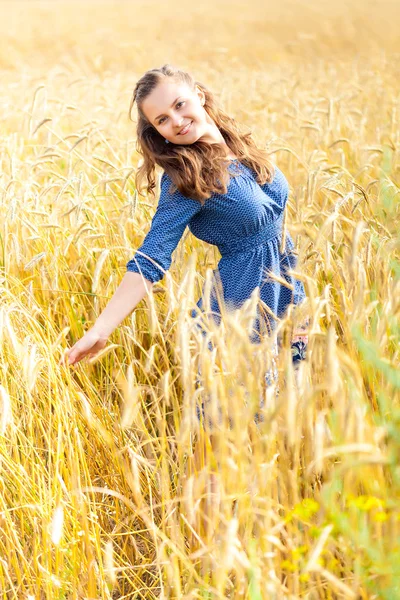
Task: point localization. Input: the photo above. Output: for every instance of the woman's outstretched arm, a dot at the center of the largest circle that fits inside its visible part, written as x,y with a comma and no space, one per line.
129,293
148,266
131,290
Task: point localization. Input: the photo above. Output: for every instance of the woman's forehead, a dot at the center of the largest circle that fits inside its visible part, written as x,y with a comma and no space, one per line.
162,97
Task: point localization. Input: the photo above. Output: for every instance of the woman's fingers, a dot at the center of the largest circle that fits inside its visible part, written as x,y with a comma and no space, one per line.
80,351
75,354
90,344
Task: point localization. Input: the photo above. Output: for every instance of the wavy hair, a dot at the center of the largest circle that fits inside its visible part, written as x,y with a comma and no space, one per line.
197,170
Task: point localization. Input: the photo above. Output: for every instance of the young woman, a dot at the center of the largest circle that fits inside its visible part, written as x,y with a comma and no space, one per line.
224,188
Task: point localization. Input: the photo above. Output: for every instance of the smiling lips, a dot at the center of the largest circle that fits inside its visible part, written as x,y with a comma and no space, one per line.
185,129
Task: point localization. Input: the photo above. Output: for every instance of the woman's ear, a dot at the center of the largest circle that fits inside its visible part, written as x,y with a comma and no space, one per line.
201,95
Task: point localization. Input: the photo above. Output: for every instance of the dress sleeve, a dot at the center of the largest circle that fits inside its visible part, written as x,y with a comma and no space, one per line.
174,211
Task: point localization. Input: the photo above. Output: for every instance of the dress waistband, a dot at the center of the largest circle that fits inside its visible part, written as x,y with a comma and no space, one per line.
250,242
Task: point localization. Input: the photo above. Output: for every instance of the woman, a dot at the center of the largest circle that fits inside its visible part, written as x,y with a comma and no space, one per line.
219,184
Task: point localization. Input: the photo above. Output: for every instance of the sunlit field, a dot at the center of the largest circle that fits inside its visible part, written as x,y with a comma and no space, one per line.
103,491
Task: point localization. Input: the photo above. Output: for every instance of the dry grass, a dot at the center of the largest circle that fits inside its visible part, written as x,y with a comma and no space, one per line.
101,493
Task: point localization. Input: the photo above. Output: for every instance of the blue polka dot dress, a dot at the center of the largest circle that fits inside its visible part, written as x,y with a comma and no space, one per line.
246,226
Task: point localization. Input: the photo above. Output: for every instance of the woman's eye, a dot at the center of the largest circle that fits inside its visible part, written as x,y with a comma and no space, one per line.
178,105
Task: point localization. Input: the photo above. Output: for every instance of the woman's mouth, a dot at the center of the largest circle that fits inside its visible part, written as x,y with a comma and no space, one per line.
185,129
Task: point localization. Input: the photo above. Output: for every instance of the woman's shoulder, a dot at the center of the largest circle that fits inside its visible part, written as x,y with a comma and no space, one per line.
165,178
167,186
169,194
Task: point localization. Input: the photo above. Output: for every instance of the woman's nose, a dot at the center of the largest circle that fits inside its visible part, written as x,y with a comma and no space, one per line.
178,121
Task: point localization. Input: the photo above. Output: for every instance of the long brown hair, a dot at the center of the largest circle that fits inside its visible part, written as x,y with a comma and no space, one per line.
197,169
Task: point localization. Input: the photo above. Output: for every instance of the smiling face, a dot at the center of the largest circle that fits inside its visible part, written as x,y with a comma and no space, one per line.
177,112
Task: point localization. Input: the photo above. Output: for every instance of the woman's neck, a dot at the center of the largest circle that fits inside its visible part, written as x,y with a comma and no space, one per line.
214,136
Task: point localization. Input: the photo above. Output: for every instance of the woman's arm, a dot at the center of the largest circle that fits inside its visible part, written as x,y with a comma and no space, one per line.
148,266
129,293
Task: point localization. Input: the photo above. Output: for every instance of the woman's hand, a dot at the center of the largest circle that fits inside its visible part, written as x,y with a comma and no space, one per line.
300,341
90,344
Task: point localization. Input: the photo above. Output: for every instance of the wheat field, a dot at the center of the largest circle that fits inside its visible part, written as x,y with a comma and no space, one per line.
104,493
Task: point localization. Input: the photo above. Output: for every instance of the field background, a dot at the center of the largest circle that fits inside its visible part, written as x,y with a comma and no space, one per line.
100,492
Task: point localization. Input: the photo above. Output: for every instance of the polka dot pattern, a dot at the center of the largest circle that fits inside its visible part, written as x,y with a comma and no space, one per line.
246,226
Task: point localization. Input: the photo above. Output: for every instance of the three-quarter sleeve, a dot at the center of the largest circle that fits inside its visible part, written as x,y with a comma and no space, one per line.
173,213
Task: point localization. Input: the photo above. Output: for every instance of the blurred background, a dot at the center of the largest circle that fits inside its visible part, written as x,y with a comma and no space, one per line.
101,493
